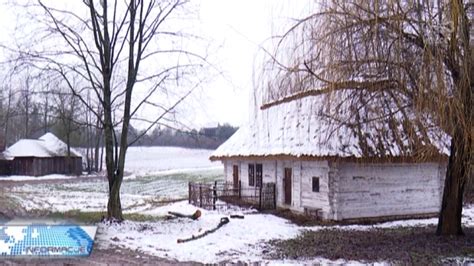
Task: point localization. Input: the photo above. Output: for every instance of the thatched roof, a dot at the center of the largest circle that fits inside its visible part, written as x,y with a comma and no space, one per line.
299,128
46,146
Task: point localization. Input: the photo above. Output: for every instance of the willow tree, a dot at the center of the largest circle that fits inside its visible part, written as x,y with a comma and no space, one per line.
407,64
132,57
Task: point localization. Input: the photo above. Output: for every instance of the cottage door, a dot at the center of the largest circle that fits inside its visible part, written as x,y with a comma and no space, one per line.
287,186
235,175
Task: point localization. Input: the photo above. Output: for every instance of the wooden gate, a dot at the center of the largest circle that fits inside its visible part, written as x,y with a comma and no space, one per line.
287,186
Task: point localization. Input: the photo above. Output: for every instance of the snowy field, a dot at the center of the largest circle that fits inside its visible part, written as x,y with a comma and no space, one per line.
140,193
153,174
148,161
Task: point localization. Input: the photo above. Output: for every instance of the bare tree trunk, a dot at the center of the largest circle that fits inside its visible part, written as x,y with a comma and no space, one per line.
96,150
449,222
88,158
7,118
101,158
460,160
27,107
45,122
98,137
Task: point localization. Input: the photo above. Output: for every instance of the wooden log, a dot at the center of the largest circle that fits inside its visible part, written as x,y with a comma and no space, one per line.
223,221
193,216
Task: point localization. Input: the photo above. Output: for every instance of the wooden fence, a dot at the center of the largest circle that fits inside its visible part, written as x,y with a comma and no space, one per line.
215,195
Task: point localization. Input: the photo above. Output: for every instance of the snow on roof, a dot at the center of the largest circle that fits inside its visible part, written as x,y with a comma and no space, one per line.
300,128
47,145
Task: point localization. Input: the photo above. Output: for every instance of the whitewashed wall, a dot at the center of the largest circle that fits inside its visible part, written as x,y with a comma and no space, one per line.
302,174
374,190
310,199
268,167
295,185
352,190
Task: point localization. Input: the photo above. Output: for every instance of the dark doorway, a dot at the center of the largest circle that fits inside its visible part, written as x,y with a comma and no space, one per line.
287,186
235,174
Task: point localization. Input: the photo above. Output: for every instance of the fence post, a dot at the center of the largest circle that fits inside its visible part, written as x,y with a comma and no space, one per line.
200,195
260,197
240,189
214,196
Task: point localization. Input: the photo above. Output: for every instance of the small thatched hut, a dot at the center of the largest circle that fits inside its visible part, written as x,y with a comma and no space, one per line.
44,156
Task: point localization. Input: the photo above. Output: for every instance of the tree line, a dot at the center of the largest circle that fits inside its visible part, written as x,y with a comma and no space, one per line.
27,113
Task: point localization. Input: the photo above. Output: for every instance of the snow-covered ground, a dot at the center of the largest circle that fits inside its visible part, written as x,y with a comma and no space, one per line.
239,240
153,174
158,174
29,178
136,194
146,161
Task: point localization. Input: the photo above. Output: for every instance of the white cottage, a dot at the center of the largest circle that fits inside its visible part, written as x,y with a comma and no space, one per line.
318,167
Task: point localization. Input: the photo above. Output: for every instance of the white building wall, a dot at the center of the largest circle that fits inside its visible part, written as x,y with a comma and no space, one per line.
228,165
302,173
310,199
268,175
296,186
388,189
295,166
302,194
351,190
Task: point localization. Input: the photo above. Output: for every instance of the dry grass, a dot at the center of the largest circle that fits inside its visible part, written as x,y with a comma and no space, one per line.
408,245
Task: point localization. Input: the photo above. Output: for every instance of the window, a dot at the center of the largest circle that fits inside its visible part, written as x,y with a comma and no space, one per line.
315,184
259,174
255,175
251,175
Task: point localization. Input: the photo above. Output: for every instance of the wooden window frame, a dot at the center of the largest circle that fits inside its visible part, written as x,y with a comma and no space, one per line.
258,179
251,174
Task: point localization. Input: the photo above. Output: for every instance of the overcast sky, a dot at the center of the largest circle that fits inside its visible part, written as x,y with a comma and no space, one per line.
242,25
239,27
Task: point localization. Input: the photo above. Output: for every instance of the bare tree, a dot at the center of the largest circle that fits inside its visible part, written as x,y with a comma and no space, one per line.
130,55
66,109
388,69
7,113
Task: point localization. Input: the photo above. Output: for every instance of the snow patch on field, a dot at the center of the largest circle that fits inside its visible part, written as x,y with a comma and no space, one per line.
29,178
146,161
91,195
241,240
174,172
